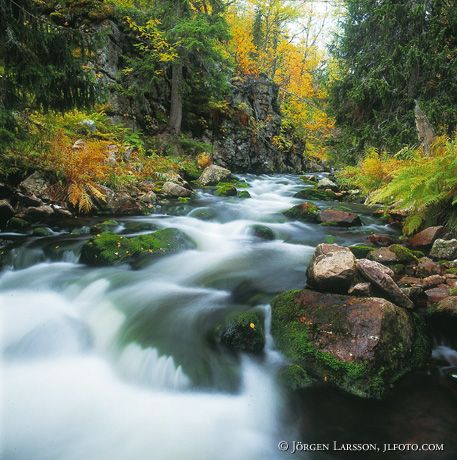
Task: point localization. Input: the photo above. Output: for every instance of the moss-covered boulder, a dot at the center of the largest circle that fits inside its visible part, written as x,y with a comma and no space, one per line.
244,194
244,333
111,249
16,223
106,226
42,231
359,344
306,212
226,189
405,255
262,231
313,193
361,250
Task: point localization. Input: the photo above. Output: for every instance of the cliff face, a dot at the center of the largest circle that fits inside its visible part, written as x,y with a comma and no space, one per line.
245,141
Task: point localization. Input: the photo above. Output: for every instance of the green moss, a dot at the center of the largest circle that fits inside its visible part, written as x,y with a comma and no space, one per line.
41,231
451,271
262,231
307,212
315,194
405,255
453,291
111,249
244,194
244,333
361,250
105,226
184,199
226,189
421,347
190,170
295,377
16,223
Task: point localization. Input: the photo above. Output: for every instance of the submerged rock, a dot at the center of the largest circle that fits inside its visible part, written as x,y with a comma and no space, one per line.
244,333
111,249
307,212
359,344
332,268
214,174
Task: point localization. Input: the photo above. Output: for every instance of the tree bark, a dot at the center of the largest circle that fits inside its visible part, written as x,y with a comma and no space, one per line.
425,131
174,122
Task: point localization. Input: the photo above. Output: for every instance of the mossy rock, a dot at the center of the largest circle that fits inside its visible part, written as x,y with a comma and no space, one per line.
315,194
203,213
226,189
244,333
105,226
111,249
306,212
190,171
244,194
16,223
405,255
184,199
262,231
42,231
451,271
361,250
361,345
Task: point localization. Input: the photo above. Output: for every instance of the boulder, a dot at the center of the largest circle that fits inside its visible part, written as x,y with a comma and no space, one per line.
38,213
6,211
426,267
262,231
359,344
437,294
148,198
244,333
447,307
307,212
384,282
244,194
361,250
383,256
226,189
332,268
314,193
444,249
339,218
428,282
36,185
111,249
214,174
175,190
326,183
120,203
381,240
361,290
426,238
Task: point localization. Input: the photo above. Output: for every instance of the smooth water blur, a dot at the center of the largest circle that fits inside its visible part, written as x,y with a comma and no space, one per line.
112,363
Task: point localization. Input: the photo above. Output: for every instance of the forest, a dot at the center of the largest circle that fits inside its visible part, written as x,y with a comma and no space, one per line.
228,223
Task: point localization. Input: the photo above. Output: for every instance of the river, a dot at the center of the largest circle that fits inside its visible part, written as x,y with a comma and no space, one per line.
114,363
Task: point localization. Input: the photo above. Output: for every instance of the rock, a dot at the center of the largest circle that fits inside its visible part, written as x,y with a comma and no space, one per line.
148,198
332,268
426,267
447,307
339,218
436,294
28,200
428,282
226,189
119,203
315,194
384,282
426,238
307,212
90,125
326,183
244,194
359,344
262,231
361,250
214,174
381,240
203,213
42,231
36,185
405,255
38,213
244,333
361,290
16,223
111,249
106,226
383,256
6,212
175,190
80,144
444,249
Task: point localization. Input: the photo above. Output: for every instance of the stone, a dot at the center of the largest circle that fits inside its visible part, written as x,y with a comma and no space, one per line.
436,294
381,240
306,212
384,282
110,249
444,249
244,333
339,218
361,250
89,124
383,256
361,290
226,189
213,174
314,193
16,223
426,238
38,213
119,203
244,194
326,183
426,267
262,231
148,198
447,307
36,185
332,268
359,344
6,211
175,190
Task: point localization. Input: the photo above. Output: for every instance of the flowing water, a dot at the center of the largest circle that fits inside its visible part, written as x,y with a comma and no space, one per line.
114,363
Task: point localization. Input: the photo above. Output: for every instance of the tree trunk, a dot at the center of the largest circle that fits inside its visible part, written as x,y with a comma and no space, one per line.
425,131
174,123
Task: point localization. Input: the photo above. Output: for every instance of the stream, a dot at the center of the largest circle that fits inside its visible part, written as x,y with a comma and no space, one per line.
113,363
